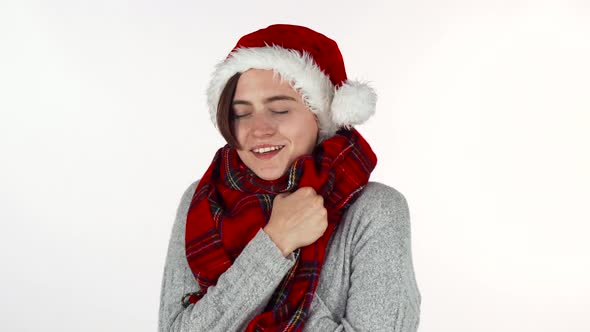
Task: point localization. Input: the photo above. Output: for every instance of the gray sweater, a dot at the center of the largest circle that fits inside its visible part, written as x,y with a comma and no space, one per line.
367,282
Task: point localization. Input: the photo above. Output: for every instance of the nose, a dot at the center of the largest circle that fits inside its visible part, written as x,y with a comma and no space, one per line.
262,126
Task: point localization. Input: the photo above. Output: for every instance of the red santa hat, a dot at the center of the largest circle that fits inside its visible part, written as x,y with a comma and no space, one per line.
311,62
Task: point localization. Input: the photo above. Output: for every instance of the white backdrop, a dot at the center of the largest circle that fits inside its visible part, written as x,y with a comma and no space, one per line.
482,123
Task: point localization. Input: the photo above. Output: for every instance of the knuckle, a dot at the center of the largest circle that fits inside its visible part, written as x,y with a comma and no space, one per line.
308,190
320,199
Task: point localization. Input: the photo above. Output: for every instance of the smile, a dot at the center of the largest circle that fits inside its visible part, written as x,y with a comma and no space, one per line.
267,152
268,149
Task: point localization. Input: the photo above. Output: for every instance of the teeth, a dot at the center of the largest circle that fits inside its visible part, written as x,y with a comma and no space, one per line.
271,148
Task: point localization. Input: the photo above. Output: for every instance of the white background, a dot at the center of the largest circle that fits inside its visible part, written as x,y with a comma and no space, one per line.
483,123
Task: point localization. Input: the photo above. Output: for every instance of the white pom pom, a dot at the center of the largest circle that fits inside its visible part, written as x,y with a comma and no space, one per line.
354,102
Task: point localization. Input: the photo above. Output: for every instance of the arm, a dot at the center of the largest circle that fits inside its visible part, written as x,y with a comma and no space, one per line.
383,294
240,294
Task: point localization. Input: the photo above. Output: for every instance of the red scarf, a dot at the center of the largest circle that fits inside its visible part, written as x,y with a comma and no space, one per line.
231,204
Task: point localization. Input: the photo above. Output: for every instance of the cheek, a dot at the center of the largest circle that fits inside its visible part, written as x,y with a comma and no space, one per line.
305,135
243,157
239,133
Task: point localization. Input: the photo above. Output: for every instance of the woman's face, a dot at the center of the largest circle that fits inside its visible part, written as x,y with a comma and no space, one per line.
272,124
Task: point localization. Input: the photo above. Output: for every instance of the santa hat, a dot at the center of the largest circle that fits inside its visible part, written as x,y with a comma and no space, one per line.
311,62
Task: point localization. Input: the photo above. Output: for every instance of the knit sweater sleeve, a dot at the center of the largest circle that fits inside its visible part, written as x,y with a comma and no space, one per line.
241,292
383,294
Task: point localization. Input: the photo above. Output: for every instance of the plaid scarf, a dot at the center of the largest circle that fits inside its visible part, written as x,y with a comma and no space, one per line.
231,204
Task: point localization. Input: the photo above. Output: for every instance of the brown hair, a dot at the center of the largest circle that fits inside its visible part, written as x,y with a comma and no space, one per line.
225,114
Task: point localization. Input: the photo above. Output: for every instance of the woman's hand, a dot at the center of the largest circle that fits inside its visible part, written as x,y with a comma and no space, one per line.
297,219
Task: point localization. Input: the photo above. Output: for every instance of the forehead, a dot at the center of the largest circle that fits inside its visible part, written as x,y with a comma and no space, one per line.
262,83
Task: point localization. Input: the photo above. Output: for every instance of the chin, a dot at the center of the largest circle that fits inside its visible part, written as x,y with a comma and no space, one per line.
270,174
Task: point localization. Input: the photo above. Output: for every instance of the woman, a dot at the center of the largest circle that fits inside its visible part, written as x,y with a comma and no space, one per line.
284,232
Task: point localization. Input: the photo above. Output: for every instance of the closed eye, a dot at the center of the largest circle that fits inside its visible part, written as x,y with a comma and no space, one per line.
281,112
239,116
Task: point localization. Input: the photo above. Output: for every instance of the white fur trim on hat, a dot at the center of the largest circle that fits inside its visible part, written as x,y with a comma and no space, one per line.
353,103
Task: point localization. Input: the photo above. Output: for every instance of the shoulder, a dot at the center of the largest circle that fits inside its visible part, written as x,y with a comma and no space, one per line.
380,211
189,191
186,199
381,198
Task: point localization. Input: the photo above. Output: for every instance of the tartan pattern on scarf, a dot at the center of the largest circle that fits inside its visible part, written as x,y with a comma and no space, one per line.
231,204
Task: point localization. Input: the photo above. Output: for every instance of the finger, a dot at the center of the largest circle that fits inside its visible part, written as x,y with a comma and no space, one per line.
306,191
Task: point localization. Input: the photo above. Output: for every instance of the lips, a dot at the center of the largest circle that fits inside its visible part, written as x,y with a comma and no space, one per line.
267,154
266,146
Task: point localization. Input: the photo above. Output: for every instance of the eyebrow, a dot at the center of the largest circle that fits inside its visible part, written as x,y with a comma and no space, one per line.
266,101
